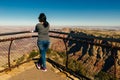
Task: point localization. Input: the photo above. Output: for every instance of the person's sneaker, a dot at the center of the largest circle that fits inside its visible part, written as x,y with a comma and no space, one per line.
44,69
38,66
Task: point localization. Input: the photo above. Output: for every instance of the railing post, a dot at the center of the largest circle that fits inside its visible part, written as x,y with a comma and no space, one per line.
9,54
66,63
115,60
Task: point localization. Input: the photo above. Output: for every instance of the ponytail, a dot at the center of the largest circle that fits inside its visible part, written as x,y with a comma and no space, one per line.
46,24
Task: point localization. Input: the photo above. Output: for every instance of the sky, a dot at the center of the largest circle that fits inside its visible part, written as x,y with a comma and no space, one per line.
60,12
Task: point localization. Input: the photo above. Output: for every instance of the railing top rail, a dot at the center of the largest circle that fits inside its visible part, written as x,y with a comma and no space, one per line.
15,38
89,37
65,33
13,33
59,37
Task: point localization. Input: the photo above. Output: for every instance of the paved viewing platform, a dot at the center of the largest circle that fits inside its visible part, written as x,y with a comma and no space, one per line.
28,71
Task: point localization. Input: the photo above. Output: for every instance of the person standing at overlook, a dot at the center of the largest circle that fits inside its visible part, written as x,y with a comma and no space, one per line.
42,28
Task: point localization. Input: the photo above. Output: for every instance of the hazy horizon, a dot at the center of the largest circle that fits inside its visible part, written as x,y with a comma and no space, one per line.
29,28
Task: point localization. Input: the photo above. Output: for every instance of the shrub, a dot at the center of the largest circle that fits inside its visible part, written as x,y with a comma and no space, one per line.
104,76
20,60
33,54
62,54
76,66
49,51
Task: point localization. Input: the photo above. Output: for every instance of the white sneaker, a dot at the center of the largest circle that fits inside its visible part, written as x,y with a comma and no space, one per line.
38,66
44,69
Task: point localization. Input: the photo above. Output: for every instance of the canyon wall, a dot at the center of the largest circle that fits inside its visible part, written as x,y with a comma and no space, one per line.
93,58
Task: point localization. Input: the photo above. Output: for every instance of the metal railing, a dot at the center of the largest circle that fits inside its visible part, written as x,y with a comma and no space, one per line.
91,40
13,46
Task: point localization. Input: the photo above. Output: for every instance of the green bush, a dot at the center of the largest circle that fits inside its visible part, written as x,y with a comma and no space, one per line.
49,51
62,54
104,76
33,54
76,66
20,60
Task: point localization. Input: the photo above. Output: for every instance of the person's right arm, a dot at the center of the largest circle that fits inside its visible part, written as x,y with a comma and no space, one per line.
35,30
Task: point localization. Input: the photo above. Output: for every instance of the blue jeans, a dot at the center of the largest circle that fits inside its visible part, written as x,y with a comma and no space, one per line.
43,46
